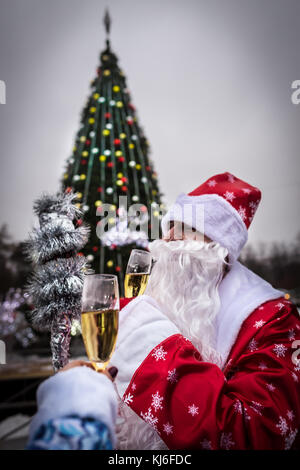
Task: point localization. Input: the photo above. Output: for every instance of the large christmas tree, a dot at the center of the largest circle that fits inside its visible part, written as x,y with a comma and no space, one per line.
111,159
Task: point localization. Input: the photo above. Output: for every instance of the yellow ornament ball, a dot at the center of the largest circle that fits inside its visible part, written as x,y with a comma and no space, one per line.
83,176
82,138
138,166
106,132
96,96
79,195
102,158
74,148
85,153
119,182
106,73
118,153
78,205
116,88
98,203
156,213
112,207
92,109
111,220
131,146
119,104
66,176
110,263
91,120
122,135
154,192
120,175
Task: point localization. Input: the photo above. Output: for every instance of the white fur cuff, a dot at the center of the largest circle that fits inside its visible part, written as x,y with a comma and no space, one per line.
79,391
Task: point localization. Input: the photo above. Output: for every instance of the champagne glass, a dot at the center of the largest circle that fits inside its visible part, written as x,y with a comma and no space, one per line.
137,272
100,317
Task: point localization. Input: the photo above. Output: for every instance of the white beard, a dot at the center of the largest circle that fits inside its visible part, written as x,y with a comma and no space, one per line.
184,282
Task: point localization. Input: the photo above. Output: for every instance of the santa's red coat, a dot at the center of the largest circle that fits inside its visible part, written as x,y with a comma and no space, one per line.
253,402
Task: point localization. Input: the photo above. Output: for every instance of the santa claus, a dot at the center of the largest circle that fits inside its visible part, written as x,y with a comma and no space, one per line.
206,356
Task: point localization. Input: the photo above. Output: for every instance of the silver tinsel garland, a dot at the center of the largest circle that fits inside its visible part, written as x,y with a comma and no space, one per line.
12,320
57,280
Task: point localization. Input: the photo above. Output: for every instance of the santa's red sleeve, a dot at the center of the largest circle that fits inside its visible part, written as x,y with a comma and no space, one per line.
124,301
253,403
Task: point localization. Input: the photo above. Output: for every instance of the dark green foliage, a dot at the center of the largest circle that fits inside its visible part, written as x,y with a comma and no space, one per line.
110,142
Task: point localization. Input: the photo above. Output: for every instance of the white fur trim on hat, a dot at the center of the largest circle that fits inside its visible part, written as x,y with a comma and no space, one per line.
212,215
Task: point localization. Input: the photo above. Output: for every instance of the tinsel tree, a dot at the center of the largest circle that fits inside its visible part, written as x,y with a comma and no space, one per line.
110,159
56,283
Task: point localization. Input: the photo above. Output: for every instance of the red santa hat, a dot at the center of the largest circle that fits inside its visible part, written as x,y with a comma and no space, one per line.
227,205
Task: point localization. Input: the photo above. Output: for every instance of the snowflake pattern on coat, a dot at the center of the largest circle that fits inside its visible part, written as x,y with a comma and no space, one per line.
157,401
226,441
150,418
279,350
259,324
168,428
159,353
128,398
172,376
193,410
258,404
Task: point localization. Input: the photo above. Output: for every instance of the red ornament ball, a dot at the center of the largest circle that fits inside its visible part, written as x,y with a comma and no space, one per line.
88,142
113,246
83,162
118,269
130,122
110,164
117,142
144,209
148,168
124,189
68,189
95,249
99,189
121,159
124,179
107,115
79,222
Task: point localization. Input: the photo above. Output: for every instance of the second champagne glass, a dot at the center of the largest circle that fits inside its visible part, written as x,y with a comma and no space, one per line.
137,272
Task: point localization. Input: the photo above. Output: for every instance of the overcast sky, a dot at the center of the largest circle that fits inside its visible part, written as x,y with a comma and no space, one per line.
211,81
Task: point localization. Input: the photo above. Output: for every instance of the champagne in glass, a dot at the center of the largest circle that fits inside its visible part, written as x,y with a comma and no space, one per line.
100,317
137,273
